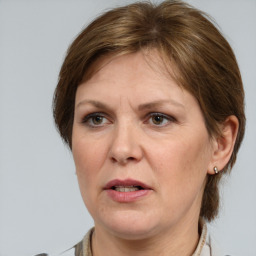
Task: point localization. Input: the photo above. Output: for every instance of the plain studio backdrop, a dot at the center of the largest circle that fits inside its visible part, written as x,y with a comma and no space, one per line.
41,209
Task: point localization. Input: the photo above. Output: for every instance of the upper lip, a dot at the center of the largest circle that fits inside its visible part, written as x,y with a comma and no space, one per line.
126,182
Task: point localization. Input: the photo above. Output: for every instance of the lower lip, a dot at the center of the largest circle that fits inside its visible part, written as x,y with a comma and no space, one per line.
127,197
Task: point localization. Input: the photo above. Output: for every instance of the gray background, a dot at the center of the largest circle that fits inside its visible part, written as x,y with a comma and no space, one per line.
40,204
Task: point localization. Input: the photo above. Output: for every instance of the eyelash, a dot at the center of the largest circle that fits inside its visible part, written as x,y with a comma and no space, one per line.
164,116
88,119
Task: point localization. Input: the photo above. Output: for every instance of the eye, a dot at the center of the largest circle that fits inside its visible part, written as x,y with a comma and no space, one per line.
159,119
95,120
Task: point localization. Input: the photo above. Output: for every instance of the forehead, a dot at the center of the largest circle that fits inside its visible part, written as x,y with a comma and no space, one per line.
156,61
131,70
135,78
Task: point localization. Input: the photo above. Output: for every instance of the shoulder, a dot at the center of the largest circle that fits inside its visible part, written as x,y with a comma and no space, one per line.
74,251
215,249
70,252
83,248
207,245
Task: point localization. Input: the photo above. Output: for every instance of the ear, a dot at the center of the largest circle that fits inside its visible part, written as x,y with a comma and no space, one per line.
224,144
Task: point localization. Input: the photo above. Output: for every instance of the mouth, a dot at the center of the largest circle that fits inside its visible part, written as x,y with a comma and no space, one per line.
127,188
127,185
127,191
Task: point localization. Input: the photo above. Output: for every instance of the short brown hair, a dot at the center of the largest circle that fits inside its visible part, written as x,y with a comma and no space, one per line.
205,63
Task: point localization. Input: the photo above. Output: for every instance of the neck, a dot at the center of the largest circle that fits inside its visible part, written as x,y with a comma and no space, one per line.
180,241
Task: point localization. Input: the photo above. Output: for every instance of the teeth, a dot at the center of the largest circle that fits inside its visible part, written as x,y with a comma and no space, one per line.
125,188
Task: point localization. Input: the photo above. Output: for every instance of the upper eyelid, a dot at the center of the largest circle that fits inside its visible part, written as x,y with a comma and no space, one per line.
95,114
158,113
169,117
85,118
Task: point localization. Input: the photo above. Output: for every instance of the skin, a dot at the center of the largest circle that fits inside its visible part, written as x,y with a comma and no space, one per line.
130,139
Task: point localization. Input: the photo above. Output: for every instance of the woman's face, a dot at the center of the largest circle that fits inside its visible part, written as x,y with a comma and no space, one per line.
140,147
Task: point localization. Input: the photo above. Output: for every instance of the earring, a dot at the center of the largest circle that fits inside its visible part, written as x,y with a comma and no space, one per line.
215,169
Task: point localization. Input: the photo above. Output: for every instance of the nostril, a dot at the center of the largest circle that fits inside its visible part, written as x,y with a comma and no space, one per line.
123,160
113,159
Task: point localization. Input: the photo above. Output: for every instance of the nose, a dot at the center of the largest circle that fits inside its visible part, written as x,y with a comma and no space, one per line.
125,146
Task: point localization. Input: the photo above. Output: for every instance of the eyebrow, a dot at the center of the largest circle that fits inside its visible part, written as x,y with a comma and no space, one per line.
95,103
141,107
159,103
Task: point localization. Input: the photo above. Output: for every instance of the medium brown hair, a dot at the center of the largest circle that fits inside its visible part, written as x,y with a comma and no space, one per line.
205,66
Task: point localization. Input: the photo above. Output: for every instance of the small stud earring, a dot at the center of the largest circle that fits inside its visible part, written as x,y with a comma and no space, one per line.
215,169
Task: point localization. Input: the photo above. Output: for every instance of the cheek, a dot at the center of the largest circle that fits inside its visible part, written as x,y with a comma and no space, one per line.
182,164
88,153
86,171
88,158
181,170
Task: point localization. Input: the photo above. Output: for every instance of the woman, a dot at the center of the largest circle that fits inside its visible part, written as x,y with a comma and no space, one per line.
151,103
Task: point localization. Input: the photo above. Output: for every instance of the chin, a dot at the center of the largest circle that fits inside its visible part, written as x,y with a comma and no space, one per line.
130,225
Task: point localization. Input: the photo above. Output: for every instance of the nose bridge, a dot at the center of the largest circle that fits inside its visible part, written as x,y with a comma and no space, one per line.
126,144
